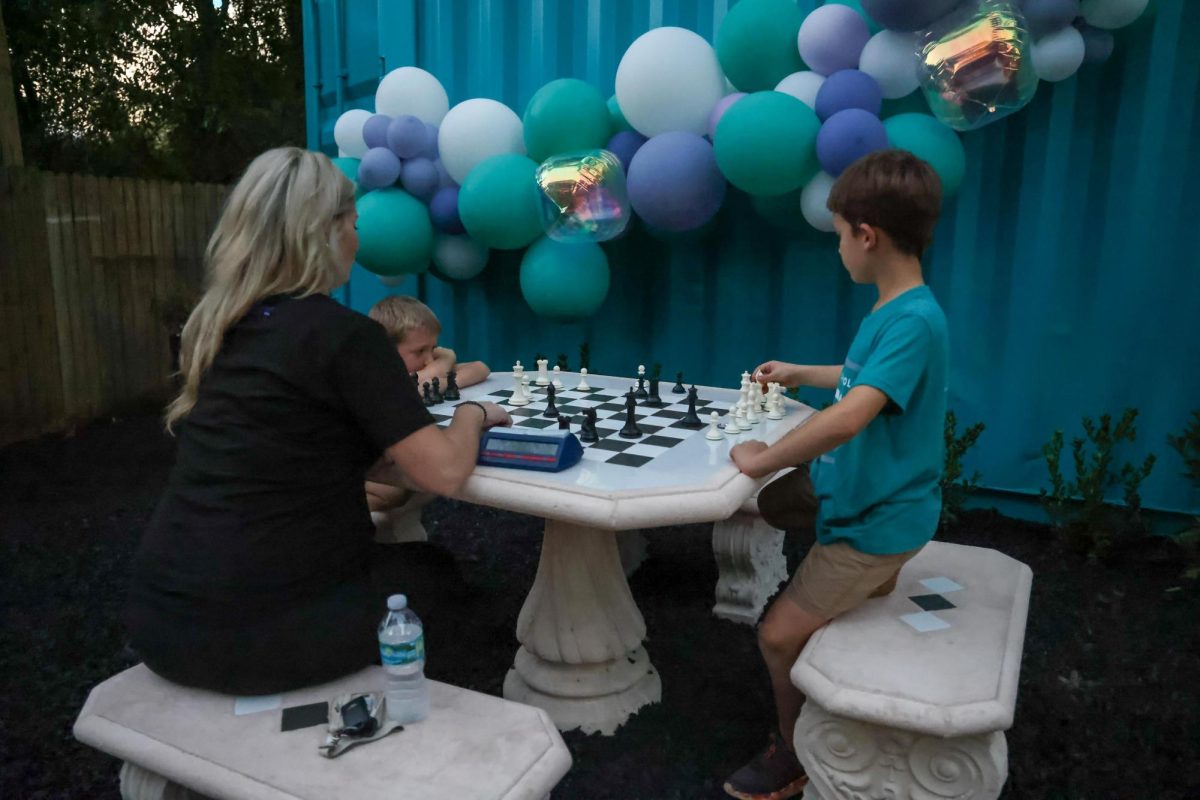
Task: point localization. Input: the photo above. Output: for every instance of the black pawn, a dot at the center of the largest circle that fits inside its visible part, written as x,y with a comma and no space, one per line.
437,391
678,388
691,419
654,401
587,431
631,429
551,411
564,422
416,379
642,394
427,398
452,386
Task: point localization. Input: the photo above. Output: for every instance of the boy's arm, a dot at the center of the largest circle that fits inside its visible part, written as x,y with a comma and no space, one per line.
443,361
471,373
824,431
793,375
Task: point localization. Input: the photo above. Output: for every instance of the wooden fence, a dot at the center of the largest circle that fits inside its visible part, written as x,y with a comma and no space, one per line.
89,270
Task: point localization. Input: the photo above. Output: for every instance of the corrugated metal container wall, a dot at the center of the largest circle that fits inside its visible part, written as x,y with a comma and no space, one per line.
1067,264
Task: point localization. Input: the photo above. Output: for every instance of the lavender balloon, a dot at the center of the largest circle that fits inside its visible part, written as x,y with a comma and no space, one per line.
832,38
375,130
431,145
443,210
623,145
848,136
379,168
719,110
406,136
444,178
1047,16
674,182
419,178
848,88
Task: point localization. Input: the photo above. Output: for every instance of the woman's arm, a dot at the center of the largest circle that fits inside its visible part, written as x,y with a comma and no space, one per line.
439,460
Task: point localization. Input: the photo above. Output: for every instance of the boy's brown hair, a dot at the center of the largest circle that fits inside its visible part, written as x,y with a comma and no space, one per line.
894,191
400,314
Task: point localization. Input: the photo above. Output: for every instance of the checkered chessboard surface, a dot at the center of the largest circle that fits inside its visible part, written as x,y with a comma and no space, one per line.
662,427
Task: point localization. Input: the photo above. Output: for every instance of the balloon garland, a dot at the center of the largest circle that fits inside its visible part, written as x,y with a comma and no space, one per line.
777,106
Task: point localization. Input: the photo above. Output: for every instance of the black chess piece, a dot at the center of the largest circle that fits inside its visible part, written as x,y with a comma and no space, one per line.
678,388
451,392
631,429
416,379
551,411
427,398
564,422
691,419
653,400
641,393
437,391
587,431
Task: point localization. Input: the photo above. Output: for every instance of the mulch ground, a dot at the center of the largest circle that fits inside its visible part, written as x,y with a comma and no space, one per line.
1109,703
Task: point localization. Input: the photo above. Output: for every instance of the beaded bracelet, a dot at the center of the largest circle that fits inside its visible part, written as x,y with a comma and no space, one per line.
477,405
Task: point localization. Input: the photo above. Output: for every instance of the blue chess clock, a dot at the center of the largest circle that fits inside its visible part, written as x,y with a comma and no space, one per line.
548,451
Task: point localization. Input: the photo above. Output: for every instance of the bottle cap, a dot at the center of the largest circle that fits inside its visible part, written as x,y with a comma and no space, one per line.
397,602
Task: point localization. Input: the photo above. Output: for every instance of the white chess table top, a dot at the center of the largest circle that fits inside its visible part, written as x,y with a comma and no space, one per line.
694,481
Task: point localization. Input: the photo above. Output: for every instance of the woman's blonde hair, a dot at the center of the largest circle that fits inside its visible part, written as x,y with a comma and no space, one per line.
278,234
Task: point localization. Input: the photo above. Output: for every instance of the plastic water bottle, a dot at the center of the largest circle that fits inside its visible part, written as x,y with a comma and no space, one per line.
402,650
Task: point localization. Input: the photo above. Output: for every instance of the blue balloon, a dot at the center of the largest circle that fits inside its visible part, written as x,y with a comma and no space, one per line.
848,136
431,144
419,178
444,178
907,15
443,210
623,145
1097,43
674,182
379,168
375,130
832,38
1047,16
406,136
848,88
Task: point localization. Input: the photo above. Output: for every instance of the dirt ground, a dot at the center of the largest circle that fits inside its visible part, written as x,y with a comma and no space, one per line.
1109,703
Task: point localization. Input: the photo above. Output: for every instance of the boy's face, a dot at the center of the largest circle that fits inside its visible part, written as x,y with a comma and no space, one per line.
417,348
855,246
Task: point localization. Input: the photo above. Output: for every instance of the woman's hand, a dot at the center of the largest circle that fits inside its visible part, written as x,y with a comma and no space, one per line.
495,415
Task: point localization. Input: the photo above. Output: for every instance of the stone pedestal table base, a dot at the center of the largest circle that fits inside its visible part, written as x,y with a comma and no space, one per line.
749,555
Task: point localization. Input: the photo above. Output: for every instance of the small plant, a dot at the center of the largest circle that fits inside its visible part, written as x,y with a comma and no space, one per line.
585,356
656,371
538,357
1187,444
954,490
1078,507
562,364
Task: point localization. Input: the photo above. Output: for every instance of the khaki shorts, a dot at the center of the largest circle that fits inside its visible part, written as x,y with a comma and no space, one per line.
833,578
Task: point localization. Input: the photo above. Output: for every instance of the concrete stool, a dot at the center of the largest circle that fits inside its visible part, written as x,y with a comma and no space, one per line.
909,694
472,745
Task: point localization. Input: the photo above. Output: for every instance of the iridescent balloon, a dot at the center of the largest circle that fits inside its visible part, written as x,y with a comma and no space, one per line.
975,64
583,197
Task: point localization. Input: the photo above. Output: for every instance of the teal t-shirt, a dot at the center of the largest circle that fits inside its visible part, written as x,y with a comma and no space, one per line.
880,491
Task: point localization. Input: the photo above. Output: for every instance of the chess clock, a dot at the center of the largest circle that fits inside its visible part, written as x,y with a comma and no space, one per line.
547,451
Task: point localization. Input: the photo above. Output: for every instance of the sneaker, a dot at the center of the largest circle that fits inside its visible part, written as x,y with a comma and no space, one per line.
773,774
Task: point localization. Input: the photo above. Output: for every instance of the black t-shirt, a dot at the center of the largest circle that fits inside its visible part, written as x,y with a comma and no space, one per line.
265,504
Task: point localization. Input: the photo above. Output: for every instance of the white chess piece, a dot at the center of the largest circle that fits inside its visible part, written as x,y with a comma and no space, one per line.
518,393
583,384
714,433
774,403
557,382
731,425
543,378
752,417
762,398
742,422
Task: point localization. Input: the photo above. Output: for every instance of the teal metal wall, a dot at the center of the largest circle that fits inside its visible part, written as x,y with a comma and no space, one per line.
1067,264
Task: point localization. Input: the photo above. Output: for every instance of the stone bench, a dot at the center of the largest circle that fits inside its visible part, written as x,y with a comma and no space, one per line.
472,745
909,694
750,562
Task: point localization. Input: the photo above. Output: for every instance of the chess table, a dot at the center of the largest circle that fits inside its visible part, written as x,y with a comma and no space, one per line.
581,657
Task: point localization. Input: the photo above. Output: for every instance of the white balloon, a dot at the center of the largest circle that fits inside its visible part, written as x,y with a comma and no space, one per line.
803,86
813,199
1057,56
1111,13
476,130
411,90
459,258
347,132
668,80
890,57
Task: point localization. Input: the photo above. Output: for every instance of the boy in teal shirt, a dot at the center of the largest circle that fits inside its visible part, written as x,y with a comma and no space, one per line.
874,498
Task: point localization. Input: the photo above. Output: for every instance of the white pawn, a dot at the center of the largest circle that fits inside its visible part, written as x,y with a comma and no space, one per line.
742,422
558,384
543,378
714,433
731,425
583,384
774,403
752,417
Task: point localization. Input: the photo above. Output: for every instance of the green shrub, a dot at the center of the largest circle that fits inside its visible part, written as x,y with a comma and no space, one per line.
585,356
955,491
1187,444
1078,507
562,363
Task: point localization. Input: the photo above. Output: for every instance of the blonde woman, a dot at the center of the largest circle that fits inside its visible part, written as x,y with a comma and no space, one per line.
254,574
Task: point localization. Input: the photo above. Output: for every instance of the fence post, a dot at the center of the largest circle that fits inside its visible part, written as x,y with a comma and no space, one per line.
10,132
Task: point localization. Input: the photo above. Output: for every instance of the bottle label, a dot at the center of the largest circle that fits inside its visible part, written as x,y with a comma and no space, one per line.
394,655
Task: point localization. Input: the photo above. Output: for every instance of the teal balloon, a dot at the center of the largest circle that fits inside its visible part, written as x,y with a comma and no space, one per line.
617,117
912,103
935,142
564,281
349,168
872,25
565,115
395,236
498,202
756,43
765,143
784,212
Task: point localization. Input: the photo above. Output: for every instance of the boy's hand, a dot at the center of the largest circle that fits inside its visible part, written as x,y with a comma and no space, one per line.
745,455
777,372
